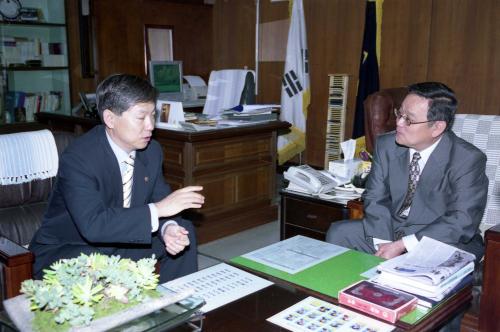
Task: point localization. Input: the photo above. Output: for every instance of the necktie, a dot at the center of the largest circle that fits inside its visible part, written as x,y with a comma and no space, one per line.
127,179
412,185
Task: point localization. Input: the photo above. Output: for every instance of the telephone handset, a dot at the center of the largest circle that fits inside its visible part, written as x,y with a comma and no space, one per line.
314,181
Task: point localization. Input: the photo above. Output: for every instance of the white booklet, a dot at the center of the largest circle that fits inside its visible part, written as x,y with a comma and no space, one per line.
430,262
218,285
295,254
312,314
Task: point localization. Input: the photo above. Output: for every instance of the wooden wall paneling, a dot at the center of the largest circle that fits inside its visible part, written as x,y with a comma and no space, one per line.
271,72
406,29
335,33
119,37
270,76
192,32
464,52
77,82
234,34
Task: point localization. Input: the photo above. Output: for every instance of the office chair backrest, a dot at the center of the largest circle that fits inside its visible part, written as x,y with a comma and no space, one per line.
228,88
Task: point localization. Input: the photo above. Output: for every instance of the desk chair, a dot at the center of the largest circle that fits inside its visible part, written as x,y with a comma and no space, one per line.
228,88
484,132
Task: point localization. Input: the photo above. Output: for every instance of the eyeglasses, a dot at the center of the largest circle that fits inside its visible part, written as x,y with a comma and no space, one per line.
408,122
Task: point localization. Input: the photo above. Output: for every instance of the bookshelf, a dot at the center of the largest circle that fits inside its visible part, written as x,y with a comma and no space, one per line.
34,62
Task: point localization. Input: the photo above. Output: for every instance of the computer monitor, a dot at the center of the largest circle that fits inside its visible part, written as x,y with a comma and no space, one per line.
166,76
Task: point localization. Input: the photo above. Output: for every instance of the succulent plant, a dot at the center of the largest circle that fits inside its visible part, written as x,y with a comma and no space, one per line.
71,288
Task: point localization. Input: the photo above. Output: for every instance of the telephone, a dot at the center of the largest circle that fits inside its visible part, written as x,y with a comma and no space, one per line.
314,181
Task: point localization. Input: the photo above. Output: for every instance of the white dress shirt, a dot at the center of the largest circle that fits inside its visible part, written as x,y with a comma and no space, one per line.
121,156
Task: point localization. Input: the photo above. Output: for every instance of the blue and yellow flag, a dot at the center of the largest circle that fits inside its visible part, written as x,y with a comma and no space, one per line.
368,69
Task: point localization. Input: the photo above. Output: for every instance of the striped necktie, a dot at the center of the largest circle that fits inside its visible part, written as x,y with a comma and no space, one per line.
127,179
414,175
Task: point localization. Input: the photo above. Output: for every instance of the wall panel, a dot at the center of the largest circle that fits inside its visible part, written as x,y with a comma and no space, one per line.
234,34
119,37
406,29
465,52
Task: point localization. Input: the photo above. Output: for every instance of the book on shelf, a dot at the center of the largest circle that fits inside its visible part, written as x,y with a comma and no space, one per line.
382,302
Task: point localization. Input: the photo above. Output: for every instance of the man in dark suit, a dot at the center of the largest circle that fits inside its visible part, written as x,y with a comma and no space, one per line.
424,181
110,195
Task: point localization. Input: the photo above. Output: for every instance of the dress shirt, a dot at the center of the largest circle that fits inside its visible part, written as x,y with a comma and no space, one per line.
121,156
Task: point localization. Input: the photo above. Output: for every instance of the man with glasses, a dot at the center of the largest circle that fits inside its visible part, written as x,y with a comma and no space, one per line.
425,181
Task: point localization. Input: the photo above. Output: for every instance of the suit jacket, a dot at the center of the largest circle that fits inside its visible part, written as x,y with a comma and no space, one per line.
449,200
86,205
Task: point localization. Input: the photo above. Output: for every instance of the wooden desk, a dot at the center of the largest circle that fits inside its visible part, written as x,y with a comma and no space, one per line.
236,167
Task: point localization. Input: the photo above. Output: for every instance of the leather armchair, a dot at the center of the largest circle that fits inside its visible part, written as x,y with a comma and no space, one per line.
21,210
379,113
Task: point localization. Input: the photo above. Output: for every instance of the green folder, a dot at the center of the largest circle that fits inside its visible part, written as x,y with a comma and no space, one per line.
330,276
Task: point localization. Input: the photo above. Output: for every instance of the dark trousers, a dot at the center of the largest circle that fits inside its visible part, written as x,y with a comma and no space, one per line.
171,267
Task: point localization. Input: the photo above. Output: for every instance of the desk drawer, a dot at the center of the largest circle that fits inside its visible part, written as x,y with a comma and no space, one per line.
311,215
292,230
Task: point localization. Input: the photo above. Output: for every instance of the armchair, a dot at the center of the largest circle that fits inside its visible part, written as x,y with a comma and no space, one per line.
484,132
21,210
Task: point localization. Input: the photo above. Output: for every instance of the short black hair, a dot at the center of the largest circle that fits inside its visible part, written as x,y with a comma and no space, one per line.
442,101
119,92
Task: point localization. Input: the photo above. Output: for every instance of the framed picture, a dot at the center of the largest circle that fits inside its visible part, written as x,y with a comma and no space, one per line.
164,111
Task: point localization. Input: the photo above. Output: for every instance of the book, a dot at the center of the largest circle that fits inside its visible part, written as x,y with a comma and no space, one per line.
428,302
313,314
431,262
382,302
435,295
416,283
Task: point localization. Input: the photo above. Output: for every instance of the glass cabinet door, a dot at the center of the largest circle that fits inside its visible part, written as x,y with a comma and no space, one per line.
34,62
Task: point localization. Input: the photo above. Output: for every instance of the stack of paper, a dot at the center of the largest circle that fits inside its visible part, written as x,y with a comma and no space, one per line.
432,269
251,113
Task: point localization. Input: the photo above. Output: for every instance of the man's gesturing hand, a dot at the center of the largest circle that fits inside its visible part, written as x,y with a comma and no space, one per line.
391,249
176,239
179,200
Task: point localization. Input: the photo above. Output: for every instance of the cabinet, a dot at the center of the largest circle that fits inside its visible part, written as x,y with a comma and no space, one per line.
34,62
237,169
308,216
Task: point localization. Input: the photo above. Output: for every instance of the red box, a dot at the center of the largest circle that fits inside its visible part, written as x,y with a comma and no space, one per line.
382,302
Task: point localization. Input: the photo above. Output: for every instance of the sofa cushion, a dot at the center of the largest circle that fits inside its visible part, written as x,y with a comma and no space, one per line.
19,223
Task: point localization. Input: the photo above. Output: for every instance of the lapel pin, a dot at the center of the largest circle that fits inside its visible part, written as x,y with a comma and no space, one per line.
146,179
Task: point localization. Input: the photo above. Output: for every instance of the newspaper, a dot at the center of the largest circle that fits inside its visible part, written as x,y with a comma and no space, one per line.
430,262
